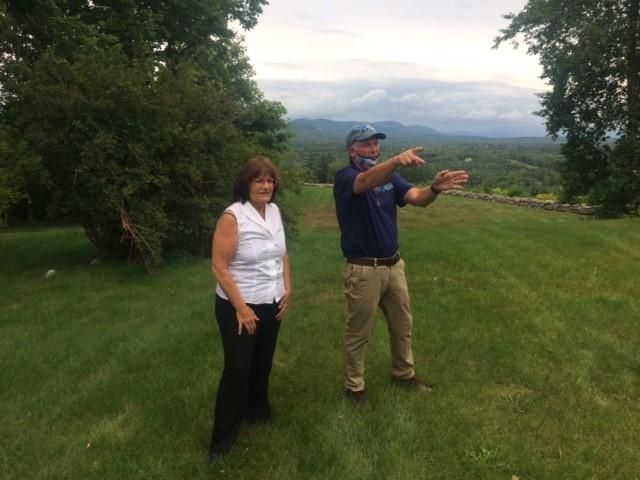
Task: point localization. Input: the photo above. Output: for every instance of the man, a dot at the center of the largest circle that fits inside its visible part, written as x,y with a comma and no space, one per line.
367,194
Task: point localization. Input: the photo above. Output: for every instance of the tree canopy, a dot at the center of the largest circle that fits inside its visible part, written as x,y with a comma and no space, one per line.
131,115
589,54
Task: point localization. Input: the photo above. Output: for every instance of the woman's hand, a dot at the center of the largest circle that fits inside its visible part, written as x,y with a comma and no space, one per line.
283,305
247,318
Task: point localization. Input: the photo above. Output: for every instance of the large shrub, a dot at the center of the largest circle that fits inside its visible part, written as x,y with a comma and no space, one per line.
139,114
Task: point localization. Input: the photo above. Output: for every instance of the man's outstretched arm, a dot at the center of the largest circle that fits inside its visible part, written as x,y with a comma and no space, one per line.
381,173
445,180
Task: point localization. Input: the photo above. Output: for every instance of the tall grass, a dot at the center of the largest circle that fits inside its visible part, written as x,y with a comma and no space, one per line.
526,321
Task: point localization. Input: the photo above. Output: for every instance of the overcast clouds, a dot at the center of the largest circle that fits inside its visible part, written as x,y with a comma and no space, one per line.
416,62
484,108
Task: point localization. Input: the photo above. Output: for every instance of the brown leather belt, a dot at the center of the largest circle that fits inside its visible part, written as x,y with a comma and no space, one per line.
375,262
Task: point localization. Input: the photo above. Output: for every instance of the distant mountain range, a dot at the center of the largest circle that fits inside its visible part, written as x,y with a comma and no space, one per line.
324,131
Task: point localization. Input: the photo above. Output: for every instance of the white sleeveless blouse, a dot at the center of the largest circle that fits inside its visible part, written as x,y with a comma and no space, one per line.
257,266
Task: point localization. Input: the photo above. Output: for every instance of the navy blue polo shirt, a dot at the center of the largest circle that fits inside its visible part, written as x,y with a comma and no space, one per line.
368,221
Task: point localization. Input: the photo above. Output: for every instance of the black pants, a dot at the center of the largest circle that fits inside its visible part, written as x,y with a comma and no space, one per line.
244,386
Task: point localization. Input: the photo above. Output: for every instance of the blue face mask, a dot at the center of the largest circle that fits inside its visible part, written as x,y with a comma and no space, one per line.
364,163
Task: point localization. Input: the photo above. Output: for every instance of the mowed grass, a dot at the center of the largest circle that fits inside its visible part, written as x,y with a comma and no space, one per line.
526,321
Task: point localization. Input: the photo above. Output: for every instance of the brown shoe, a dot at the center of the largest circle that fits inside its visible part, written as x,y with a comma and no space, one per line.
358,398
413,383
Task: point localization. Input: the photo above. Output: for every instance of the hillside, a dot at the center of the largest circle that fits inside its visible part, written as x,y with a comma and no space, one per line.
521,167
324,130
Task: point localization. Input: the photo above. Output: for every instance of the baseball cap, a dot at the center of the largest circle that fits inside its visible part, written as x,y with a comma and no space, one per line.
362,131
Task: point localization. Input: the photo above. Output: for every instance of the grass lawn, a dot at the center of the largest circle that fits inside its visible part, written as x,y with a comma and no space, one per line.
526,321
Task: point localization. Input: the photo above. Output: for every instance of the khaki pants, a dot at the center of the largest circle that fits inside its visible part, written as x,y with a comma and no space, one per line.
366,288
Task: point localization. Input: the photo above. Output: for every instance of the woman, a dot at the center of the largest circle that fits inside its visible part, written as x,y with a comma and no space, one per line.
251,265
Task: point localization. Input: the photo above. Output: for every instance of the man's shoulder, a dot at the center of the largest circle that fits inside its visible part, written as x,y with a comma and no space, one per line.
344,175
347,170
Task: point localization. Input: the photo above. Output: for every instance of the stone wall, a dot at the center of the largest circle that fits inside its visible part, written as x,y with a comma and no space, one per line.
580,209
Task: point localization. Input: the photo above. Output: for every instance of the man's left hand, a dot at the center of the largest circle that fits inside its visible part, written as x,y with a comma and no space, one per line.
446,180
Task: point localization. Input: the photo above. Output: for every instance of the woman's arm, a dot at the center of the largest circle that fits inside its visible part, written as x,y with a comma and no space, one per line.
223,249
283,305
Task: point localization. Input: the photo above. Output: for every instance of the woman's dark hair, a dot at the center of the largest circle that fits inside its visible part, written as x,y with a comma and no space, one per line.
254,168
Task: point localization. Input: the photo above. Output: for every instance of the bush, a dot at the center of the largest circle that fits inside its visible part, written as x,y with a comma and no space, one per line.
516,192
619,192
499,191
133,123
547,197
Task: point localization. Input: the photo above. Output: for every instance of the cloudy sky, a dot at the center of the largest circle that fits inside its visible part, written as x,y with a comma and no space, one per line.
422,62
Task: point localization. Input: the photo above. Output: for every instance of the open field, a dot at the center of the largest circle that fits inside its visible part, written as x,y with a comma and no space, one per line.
526,321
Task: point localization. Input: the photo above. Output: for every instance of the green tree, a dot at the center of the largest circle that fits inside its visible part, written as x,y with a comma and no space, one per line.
319,167
23,178
589,54
140,112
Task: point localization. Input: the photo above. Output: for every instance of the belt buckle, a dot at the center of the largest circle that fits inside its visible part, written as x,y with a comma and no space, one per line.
375,263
